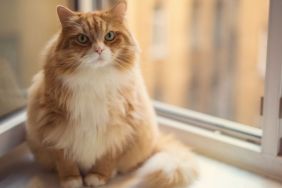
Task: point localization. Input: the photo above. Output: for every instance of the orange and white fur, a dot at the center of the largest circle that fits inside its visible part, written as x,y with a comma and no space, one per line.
89,115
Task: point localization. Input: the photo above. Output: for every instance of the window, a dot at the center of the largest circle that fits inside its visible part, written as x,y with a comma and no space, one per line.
212,54
25,29
20,46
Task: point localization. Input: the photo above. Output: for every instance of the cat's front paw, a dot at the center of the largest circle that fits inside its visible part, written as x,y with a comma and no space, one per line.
72,182
95,180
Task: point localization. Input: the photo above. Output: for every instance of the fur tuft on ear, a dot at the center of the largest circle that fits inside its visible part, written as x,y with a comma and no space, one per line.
119,10
64,14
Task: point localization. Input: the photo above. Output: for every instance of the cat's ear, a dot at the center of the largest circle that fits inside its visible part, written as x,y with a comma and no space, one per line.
64,14
119,10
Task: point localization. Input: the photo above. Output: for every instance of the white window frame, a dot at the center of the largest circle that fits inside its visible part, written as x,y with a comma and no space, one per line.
220,139
272,131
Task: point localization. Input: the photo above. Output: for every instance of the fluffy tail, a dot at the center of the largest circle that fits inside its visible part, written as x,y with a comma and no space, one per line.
172,166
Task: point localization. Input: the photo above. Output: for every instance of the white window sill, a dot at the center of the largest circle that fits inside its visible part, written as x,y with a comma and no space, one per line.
17,169
216,174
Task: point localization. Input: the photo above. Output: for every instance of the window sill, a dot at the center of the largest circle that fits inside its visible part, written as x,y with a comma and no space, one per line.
17,169
12,132
220,175
229,150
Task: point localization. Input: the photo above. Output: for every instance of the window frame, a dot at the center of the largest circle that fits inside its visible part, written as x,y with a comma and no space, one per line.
272,131
211,123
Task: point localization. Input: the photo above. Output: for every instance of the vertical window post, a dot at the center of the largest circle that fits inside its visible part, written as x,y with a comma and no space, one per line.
272,130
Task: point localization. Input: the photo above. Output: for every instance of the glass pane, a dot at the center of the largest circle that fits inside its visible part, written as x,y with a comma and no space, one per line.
25,28
207,56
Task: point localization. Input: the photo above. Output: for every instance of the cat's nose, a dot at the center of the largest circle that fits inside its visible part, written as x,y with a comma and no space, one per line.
99,50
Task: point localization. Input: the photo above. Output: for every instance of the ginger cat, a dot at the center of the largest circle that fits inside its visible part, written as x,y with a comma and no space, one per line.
89,115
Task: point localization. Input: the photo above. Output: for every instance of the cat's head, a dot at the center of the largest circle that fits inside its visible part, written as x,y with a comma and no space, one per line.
95,39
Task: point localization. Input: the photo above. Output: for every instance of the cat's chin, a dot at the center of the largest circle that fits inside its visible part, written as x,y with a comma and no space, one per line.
100,64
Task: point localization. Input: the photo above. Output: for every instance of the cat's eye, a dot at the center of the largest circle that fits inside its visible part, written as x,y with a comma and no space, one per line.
82,39
110,36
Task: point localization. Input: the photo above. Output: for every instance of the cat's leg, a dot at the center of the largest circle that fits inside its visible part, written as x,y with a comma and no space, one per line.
41,154
139,150
102,171
133,158
68,171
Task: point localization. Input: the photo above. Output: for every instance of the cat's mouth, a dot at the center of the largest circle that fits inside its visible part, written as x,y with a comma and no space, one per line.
95,60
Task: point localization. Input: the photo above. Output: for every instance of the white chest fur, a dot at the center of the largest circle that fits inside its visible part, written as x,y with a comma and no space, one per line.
89,135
